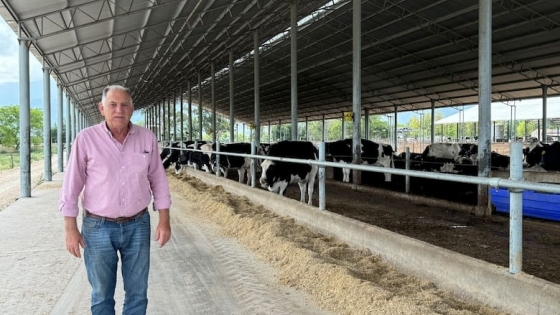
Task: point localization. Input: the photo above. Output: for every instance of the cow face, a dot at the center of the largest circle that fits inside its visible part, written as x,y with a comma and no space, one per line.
267,168
270,178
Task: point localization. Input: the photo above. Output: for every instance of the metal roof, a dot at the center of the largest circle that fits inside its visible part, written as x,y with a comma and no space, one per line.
413,51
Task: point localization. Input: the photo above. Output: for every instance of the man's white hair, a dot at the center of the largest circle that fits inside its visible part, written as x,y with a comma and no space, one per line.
113,87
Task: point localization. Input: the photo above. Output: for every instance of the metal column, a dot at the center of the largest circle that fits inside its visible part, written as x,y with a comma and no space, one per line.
516,209
257,83
356,87
68,124
24,120
544,105
293,67
484,99
47,155
213,96
433,122
59,128
181,111
231,99
199,105
190,110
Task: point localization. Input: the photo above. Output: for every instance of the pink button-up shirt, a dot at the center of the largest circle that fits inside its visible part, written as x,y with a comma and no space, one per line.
116,180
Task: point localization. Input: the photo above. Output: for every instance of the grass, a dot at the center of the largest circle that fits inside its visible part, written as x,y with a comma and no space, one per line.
9,157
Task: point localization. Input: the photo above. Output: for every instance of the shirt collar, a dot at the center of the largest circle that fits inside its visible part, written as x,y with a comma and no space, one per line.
132,128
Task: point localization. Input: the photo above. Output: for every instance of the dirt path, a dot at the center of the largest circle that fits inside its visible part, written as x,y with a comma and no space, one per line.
10,180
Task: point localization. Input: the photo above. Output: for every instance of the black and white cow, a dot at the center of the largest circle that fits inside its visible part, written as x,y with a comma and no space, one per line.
499,161
170,154
372,153
277,175
544,155
189,158
468,153
441,157
227,162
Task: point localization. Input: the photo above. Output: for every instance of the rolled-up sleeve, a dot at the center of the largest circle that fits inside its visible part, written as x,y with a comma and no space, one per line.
74,180
158,180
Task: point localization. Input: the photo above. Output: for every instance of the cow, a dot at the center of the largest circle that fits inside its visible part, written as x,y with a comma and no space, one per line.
190,158
372,153
182,160
277,175
449,151
446,158
227,162
170,154
468,153
544,155
499,161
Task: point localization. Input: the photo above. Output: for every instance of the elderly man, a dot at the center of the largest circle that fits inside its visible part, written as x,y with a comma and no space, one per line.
116,169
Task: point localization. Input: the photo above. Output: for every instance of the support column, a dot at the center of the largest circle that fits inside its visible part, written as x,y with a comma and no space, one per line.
24,120
200,105
366,124
294,68
59,129
433,122
68,126
231,99
213,96
181,111
544,107
356,87
484,100
47,125
190,111
257,83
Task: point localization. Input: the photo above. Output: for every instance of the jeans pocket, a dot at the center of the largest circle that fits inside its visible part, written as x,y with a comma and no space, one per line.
91,223
145,218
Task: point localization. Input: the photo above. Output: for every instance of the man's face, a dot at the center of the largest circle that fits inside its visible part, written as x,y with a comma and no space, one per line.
117,109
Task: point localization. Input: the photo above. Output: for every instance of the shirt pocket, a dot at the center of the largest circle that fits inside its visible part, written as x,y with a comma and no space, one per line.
139,163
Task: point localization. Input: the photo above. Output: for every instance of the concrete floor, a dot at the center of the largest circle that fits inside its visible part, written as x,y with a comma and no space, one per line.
197,272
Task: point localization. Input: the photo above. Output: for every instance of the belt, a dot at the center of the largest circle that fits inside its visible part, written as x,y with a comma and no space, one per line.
117,220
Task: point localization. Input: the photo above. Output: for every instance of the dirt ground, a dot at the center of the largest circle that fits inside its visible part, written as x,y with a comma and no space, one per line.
483,238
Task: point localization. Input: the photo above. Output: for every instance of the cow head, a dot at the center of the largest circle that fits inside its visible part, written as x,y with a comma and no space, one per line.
270,179
222,169
533,153
267,167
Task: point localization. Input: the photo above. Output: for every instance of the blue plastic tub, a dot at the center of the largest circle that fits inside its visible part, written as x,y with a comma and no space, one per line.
535,204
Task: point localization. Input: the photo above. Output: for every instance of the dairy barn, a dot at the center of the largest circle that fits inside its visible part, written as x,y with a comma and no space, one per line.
425,240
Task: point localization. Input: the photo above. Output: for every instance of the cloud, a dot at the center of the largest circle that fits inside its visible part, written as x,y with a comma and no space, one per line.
9,58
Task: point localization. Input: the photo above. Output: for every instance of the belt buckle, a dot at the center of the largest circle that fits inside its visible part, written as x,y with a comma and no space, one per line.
122,219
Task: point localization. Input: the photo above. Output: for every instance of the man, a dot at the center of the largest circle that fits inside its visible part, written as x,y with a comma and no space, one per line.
116,168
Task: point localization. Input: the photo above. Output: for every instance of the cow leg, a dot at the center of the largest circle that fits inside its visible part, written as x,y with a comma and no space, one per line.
302,186
241,173
346,175
249,176
282,188
311,183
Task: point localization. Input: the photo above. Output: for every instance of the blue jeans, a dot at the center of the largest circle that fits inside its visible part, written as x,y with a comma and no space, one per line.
104,239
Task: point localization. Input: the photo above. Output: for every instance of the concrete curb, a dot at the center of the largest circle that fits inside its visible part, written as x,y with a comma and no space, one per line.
465,276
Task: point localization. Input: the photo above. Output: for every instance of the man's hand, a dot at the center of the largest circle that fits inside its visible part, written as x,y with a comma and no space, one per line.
73,237
163,229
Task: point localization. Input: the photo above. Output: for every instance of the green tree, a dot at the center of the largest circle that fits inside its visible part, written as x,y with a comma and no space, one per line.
9,125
